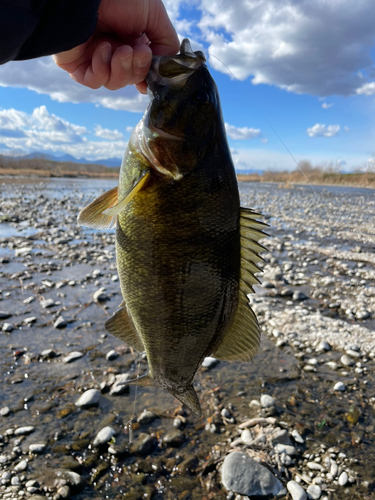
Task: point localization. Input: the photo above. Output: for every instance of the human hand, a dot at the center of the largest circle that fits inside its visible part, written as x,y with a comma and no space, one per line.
119,52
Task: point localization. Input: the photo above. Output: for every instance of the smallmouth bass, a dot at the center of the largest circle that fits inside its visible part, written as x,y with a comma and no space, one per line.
186,252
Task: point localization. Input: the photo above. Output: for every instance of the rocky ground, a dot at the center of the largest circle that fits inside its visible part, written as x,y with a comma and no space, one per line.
298,422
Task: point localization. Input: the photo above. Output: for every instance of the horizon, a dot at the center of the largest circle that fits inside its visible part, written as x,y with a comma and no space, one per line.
303,92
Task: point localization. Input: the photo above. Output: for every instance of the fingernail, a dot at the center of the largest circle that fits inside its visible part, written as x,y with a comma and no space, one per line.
106,52
126,62
141,63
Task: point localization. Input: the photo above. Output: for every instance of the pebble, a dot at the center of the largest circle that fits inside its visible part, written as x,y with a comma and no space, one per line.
100,295
284,448
30,320
60,322
339,386
267,401
73,356
174,438
299,296
4,411
119,388
23,431
323,346
90,397
144,444
343,478
314,466
111,355
210,362
7,327
20,467
37,448
346,360
296,491
47,303
104,435
246,436
353,354
314,491
241,474
334,468
281,436
4,315
146,417
297,437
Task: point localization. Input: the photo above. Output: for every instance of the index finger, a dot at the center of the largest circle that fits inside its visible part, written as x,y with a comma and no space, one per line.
160,31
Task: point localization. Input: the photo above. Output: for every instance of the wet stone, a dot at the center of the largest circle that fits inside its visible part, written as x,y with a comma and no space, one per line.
299,296
284,448
346,360
49,353
88,398
23,431
111,355
4,315
37,448
281,436
339,386
146,417
104,435
210,362
7,327
30,320
343,478
47,303
21,466
4,411
100,295
241,474
174,438
144,444
72,356
60,322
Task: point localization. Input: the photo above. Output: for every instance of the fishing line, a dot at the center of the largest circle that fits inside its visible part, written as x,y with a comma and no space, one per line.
271,127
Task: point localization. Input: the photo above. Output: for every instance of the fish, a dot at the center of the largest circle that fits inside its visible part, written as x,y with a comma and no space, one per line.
187,253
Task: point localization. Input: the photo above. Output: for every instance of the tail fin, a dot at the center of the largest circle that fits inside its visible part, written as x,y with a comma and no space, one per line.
188,397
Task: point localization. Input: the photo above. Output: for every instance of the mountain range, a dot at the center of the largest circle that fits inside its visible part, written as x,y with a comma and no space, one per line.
107,162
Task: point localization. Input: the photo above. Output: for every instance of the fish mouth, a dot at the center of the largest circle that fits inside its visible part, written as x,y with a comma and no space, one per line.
174,71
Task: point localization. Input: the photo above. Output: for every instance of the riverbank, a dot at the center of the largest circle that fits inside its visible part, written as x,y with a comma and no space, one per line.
303,409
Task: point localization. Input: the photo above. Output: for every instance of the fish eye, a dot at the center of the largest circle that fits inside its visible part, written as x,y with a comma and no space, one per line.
200,97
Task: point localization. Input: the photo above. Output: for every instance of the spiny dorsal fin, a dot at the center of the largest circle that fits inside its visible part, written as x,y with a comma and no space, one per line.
241,341
92,215
121,326
139,183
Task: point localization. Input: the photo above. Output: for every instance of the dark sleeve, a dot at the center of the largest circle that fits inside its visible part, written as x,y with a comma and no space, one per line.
34,28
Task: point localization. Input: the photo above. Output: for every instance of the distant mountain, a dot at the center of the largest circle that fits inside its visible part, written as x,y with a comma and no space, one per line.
244,171
107,162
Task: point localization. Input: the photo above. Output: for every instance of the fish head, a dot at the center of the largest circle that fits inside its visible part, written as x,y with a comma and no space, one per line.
183,113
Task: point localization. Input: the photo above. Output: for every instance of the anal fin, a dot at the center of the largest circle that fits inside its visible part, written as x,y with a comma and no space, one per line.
121,326
92,215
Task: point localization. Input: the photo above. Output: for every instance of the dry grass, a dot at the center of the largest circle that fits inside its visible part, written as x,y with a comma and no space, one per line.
313,175
47,168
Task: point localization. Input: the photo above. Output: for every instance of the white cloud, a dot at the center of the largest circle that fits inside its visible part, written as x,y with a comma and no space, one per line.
291,43
43,131
367,89
43,76
346,129
241,133
106,133
320,130
327,105
129,129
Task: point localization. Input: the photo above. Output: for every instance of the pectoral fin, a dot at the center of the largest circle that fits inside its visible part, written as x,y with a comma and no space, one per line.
115,210
241,341
121,326
92,215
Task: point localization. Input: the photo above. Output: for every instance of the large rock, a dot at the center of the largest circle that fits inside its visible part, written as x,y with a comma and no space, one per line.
245,476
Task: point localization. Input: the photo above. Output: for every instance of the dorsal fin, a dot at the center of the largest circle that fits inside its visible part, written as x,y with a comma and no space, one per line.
241,341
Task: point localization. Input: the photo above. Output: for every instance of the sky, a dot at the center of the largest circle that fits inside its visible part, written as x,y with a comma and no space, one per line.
296,80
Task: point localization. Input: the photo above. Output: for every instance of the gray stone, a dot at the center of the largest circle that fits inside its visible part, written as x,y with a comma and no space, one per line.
37,448
339,386
72,478
144,444
314,466
267,401
7,327
314,491
4,411
47,303
60,322
100,295
245,476
21,466
111,355
284,448
246,436
72,356
4,315
346,360
210,362
343,478
297,437
281,436
119,387
323,346
104,435
353,354
296,491
146,417
334,468
88,398
299,296
30,320
23,431
174,438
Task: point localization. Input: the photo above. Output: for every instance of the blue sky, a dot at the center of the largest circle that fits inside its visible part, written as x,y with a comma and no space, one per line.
305,69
